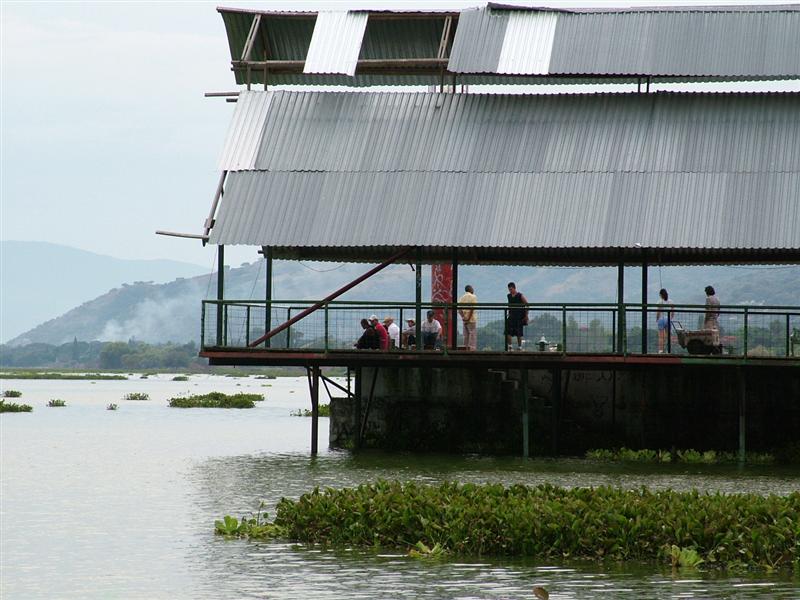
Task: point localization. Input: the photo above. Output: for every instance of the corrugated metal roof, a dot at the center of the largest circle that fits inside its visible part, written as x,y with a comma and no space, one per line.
318,131
336,42
678,172
245,132
528,43
696,44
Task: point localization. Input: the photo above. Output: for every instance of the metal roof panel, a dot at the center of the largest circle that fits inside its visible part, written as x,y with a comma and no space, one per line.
336,42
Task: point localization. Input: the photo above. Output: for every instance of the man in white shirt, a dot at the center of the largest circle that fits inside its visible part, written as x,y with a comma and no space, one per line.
393,330
470,317
431,329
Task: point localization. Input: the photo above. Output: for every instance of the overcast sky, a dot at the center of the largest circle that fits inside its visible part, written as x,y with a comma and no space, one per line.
106,135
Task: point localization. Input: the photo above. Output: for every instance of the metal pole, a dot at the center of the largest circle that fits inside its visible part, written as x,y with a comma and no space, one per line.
220,289
418,332
745,332
268,293
788,334
523,384
620,307
454,320
556,410
359,387
644,306
314,410
742,414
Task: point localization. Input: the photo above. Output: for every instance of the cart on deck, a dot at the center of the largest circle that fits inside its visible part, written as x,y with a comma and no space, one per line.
698,341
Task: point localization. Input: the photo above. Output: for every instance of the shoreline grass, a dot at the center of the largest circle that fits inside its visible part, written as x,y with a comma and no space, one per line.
61,375
690,456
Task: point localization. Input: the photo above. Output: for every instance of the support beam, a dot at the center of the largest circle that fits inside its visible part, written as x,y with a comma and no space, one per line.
220,290
316,306
556,403
212,213
742,415
620,307
454,294
644,306
267,252
314,410
418,301
526,417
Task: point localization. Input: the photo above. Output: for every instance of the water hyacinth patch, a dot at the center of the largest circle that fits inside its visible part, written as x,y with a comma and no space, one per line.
140,396
11,394
216,400
324,411
14,407
709,457
549,522
56,403
111,406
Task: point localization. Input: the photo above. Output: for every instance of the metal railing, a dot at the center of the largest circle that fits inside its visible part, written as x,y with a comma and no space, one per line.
749,331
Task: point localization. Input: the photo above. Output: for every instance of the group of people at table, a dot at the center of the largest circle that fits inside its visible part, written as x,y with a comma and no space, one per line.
384,335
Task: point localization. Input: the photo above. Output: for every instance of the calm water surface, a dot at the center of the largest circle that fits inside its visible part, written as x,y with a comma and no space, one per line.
121,504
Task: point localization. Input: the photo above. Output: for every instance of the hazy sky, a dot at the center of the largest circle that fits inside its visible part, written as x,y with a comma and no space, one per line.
106,135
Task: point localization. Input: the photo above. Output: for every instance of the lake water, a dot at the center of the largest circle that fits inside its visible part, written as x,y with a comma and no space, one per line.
121,504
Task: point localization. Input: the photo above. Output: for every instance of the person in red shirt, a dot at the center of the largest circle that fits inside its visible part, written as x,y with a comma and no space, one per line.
383,335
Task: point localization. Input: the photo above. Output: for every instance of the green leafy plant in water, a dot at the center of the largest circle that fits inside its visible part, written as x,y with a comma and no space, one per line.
180,378
11,393
255,527
324,411
14,407
136,396
111,406
216,400
421,550
683,557
56,403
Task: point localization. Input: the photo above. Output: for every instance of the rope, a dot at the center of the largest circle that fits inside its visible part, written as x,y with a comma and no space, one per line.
211,274
255,281
322,270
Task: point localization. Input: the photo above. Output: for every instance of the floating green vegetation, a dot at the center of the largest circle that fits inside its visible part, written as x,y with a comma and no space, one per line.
56,403
709,457
136,396
53,375
14,407
733,531
216,400
11,393
266,377
237,374
180,378
112,406
324,411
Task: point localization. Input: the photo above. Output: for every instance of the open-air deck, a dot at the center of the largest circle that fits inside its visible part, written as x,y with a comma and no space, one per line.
572,334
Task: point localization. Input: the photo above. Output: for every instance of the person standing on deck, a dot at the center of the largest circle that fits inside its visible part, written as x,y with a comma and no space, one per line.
517,316
470,317
383,336
664,315
712,309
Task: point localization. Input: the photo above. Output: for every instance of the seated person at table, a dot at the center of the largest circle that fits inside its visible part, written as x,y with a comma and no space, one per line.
369,339
409,335
431,330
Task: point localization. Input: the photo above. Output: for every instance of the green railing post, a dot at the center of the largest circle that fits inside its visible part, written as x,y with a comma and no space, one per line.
563,328
788,333
613,330
225,326
202,325
326,327
745,332
247,327
446,331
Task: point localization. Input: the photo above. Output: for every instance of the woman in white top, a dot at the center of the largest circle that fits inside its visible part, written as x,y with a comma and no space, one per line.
663,317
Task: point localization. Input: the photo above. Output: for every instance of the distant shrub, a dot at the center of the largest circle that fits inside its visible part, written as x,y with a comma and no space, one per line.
216,400
14,407
56,403
11,393
136,396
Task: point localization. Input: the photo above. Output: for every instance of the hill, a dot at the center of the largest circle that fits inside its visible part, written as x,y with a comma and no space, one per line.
41,281
170,312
